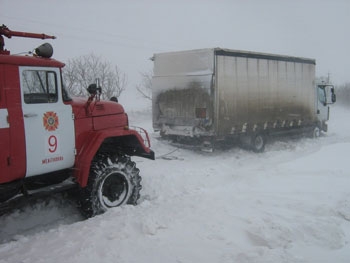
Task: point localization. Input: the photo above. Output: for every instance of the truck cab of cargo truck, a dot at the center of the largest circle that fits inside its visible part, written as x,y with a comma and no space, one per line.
325,97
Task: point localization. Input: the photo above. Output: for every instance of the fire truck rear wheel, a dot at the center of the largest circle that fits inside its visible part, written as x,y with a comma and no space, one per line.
113,181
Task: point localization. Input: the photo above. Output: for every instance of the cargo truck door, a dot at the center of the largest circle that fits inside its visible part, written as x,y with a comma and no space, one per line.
322,106
48,122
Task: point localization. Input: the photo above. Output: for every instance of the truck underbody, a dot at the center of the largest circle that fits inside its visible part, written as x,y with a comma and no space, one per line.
20,192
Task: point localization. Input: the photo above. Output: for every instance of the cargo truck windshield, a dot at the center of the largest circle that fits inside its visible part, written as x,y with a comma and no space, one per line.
322,95
326,94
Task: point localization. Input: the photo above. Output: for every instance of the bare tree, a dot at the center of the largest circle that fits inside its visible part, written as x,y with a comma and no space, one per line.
81,71
145,87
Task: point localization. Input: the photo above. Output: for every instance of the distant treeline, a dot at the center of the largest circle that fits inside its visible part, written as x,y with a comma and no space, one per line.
343,94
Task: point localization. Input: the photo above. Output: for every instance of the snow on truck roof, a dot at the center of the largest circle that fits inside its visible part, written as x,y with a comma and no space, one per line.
241,53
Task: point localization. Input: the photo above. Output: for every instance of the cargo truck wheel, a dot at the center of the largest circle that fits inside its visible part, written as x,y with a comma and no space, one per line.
258,142
113,181
316,132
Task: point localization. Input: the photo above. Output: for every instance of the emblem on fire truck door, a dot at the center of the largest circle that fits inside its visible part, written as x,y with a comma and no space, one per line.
50,121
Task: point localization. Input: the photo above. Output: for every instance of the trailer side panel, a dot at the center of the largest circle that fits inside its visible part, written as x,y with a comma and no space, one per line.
263,92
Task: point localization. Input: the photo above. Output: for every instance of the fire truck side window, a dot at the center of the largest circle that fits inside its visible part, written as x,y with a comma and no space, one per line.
39,86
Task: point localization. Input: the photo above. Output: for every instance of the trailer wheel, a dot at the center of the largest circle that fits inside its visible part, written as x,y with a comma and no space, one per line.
258,142
113,181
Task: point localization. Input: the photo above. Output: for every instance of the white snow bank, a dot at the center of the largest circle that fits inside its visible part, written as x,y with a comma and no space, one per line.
289,204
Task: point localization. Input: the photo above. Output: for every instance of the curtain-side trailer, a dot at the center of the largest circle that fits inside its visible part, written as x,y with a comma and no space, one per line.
216,94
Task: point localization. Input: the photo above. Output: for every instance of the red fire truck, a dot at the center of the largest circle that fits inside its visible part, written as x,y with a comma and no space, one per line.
47,137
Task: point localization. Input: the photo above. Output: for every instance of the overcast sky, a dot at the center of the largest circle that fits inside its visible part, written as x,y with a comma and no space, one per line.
128,33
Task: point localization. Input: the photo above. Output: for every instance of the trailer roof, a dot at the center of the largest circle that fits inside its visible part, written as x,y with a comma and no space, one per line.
247,54
257,55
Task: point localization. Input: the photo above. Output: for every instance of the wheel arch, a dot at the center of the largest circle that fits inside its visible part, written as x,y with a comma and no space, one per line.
128,142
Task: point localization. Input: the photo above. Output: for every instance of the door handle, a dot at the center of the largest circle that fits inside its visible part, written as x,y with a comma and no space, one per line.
29,115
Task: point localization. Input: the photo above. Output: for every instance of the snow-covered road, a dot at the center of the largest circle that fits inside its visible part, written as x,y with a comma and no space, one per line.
289,204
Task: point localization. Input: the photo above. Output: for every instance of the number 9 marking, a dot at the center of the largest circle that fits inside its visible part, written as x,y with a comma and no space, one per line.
52,143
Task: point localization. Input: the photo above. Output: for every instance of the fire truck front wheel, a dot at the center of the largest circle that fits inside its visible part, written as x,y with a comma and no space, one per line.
113,181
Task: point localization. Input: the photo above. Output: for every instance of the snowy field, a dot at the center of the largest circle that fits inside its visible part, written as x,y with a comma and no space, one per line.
289,204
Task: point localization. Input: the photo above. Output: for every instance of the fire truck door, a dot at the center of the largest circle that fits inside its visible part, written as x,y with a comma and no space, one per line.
48,122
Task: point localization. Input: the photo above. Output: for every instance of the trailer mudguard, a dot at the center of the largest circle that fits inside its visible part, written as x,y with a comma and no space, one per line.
130,141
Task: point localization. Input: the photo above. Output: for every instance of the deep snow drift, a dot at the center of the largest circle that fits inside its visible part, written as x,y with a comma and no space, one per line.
289,204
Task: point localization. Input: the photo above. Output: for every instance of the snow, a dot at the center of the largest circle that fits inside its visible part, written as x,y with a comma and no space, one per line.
288,204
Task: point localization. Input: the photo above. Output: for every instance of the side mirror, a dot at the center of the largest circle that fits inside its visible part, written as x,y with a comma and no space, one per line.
93,89
334,97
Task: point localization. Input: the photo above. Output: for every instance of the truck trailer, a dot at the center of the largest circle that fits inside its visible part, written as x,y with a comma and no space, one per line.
211,95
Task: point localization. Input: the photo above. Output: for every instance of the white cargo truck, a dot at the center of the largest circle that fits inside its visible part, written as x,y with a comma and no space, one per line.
211,95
